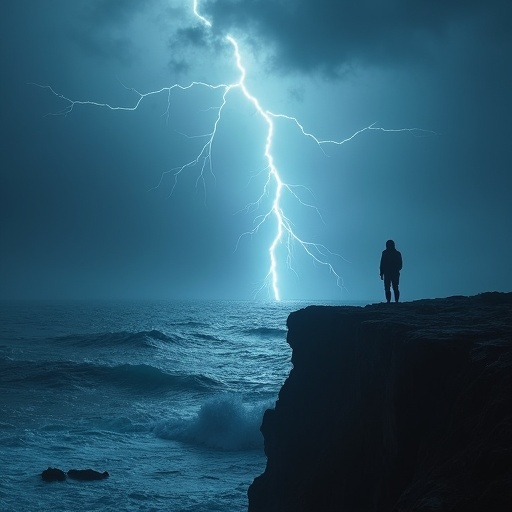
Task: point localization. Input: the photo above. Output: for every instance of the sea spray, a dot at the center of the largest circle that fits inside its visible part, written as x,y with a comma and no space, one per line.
223,422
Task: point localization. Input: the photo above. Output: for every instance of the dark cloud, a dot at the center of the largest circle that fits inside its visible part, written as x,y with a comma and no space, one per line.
308,35
196,36
190,45
181,43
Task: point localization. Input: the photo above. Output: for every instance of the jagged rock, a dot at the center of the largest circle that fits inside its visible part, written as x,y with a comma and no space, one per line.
53,475
393,407
87,474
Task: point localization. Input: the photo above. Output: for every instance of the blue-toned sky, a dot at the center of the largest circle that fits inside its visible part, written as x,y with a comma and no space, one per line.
87,204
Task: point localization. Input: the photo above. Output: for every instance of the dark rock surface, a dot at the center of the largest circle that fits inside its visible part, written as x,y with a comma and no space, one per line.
53,475
393,407
57,475
87,474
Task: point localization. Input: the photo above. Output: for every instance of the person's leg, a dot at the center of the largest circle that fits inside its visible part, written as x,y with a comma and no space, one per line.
395,281
387,288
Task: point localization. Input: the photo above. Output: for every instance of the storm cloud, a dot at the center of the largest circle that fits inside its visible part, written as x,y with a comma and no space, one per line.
329,36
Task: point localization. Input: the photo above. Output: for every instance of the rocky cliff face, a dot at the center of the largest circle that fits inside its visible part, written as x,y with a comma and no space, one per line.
393,407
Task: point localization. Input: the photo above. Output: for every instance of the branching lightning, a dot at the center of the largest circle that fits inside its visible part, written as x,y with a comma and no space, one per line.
285,233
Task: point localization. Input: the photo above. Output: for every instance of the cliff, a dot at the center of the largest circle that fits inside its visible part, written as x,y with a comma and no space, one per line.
393,407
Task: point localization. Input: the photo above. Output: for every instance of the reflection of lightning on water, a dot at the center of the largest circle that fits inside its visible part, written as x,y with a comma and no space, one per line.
284,232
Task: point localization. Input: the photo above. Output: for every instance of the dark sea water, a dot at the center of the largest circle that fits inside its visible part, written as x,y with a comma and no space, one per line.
167,397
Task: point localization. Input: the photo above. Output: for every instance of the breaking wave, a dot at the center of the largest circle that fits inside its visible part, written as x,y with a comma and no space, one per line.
223,422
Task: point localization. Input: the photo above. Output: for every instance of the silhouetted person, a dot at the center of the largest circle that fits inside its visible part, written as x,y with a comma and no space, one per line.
390,266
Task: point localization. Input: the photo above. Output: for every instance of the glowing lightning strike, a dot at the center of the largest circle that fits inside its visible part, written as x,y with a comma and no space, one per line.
317,252
202,18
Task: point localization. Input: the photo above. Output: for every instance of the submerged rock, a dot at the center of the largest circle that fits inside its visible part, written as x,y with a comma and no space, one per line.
393,407
53,475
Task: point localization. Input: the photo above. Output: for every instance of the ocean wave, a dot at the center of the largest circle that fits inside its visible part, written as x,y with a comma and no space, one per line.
121,338
135,377
191,323
223,422
266,332
206,337
144,376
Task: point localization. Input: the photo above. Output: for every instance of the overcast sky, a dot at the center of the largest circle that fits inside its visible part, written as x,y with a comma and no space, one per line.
89,205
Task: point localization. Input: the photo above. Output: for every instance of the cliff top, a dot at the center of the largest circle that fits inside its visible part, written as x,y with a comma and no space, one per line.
393,407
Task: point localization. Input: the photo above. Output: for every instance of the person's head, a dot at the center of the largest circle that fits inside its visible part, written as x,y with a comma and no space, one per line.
390,244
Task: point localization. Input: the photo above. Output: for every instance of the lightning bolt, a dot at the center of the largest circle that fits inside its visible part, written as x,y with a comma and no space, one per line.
284,231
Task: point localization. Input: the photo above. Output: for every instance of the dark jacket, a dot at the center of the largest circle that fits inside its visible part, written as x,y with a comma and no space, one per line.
390,262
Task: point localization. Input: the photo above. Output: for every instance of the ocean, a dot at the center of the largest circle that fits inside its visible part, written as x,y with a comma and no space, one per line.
166,396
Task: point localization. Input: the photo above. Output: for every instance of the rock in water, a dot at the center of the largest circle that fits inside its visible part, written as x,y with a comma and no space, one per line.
87,474
53,475
393,407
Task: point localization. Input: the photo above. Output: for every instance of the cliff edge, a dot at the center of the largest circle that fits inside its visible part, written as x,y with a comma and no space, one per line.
393,407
